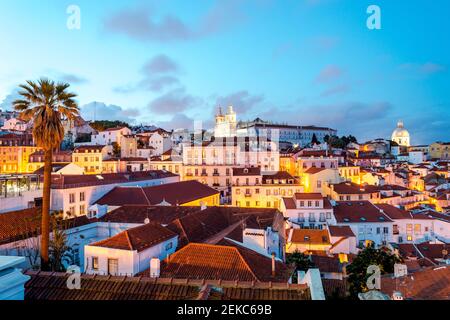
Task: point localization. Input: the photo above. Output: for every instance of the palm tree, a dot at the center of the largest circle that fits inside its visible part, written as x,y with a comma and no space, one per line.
45,104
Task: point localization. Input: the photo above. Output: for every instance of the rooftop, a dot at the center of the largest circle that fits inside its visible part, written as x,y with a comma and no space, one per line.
358,212
227,261
137,239
177,193
52,286
78,181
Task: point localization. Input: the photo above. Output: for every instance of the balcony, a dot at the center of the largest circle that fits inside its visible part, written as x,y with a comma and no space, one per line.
322,220
216,184
189,175
216,174
248,195
204,174
312,219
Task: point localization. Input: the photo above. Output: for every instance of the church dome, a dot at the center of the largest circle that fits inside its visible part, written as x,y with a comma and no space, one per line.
401,135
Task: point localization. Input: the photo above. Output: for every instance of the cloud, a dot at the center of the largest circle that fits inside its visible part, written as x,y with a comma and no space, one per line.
158,73
178,121
242,101
143,24
173,102
160,64
7,103
71,78
342,88
102,111
427,68
329,73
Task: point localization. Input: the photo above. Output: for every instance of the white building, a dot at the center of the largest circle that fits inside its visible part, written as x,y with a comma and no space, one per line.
308,210
368,222
130,251
109,136
296,135
14,124
226,124
74,194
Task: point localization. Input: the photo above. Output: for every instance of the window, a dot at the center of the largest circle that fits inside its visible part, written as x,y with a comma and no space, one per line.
238,191
268,204
82,209
328,215
417,229
94,263
72,198
385,230
169,246
82,196
302,203
113,267
317,203
257,203
319,184
309,203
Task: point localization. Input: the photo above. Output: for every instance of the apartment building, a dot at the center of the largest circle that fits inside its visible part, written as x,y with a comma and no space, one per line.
251,188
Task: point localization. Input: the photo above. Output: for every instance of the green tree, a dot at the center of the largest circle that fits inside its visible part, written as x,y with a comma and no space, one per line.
357,270
300,261
116,149
314,140
102,125
46,104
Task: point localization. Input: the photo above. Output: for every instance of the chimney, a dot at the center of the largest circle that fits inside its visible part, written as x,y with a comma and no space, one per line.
155,268
273,264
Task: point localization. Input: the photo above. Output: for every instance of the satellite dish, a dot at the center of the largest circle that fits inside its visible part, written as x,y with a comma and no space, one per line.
147,221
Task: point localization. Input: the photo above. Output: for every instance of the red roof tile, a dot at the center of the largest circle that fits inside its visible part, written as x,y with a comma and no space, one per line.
139,238
227,261
428,284
341,231
174,193
358,212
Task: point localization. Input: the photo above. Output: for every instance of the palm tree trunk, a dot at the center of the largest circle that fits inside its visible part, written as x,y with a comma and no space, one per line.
45,226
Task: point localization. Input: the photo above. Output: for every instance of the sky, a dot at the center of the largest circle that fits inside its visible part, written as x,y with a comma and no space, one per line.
302,62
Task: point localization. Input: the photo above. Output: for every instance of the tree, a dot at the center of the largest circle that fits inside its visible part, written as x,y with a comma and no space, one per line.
116,149
102,125
46,104
314,140
357,270
301,261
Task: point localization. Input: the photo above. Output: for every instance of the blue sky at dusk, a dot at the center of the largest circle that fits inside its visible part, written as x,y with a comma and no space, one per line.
297,61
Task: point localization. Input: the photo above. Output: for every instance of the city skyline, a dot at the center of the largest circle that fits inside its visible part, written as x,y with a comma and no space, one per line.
305,63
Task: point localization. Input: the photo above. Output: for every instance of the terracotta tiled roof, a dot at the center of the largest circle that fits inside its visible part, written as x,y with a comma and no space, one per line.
394,212
341,231
204,225
327,264
335,289
76,181
279,175
53,286
353,188
309,236
174,193
139,238
429,284
358,212
251,171
308,196
226,261
289,203
22,224
314,170
88,148
15,225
